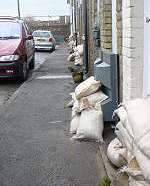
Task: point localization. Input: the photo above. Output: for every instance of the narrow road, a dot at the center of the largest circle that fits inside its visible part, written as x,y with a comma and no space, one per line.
35,145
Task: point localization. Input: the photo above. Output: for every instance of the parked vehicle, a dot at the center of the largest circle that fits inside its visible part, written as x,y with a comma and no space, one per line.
17,52
44,40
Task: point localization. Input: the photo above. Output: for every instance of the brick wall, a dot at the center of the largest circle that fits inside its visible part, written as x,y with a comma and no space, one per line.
106,24
132,48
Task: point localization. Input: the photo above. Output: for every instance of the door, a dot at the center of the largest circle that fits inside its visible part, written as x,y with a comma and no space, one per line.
28,44
146,78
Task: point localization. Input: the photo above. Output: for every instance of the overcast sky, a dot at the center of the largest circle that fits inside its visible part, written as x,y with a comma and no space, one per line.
34,7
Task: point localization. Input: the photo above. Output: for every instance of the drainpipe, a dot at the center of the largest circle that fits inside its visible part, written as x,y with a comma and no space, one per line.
75,22
85,39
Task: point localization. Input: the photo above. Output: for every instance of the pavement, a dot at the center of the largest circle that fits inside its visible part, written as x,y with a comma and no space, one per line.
35,145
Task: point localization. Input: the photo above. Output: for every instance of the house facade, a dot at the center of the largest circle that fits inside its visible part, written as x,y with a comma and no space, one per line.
124,27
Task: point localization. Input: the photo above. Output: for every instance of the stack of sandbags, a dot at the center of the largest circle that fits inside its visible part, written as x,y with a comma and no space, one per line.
133,131
71,43
87,117
79,55
75,63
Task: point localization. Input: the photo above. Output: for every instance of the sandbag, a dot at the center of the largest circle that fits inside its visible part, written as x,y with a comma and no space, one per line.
138,113
76,106
71,57
122,114
143,161
91,100
123,135
73,96
115,153
77,58
79,49
90,125
81,61
133,182
136,178
70,104
87,87
74,124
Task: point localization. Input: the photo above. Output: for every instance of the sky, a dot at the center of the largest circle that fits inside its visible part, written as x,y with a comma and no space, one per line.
34,7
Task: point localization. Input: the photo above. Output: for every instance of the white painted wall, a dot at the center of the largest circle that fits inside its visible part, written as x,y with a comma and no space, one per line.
146,78
114,27
132,49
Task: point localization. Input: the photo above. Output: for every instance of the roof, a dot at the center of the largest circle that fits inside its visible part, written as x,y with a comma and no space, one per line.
42,31
9,18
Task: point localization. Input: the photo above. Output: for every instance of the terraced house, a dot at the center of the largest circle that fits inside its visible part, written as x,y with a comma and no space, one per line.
120,27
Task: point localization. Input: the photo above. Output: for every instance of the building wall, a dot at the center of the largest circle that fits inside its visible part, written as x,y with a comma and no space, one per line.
119,45
92,8
132,48
106,24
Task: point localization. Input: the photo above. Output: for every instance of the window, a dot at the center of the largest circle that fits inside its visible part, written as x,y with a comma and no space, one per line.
10,30
42,34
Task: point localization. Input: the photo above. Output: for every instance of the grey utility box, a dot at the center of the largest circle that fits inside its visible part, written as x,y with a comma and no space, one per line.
106,69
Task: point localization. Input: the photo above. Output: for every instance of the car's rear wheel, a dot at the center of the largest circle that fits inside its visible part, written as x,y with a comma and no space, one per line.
24,72
32,63
54,48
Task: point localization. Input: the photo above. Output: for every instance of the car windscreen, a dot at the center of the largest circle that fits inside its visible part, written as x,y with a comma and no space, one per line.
41,34
9,30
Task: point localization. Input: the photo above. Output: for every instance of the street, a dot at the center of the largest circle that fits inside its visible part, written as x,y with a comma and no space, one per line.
35,145
8,87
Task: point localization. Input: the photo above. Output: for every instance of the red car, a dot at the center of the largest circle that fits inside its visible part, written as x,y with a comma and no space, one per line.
17,52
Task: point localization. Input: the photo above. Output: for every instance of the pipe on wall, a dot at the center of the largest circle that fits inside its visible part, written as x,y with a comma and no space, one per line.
85,39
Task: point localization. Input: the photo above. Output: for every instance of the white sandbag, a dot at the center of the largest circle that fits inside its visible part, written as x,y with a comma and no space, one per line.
87,87
143,161
71,57
70,104
74,124
79,48
81,61
90,125
133,182
73,96
91,100
73,114
77,58
123,135
136,178
122,114
138,111
76,106
115,153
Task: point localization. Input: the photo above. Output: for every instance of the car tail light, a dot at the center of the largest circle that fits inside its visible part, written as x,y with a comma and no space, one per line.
50,39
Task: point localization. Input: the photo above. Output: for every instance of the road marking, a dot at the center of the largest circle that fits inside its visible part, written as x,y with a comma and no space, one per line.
55,77
54,122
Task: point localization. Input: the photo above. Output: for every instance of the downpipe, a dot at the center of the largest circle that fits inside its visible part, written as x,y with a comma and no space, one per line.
85,40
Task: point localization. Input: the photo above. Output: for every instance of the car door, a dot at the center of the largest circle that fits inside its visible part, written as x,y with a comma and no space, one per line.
29,44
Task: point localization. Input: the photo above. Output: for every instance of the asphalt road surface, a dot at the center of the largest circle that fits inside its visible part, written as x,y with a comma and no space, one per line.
8,87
